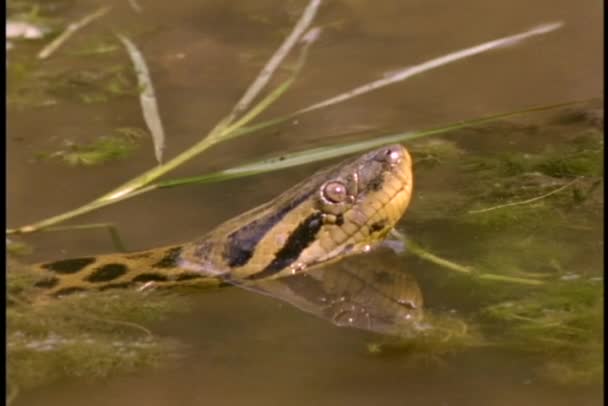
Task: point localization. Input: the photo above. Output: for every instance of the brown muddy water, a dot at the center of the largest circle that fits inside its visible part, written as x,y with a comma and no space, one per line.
243,348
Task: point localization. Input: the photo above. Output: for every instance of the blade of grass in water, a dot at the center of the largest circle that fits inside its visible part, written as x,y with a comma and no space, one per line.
70,30
334,151
434,63
141,183
215,137
147,99
527,201
273,164
408,72
228,130
417,250
273,63
138,184
135,6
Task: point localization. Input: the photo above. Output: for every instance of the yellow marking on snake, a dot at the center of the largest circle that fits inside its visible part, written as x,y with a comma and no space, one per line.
340,211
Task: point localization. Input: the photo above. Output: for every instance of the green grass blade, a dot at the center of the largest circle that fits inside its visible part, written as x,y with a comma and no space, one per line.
227,132
334,151
277,58
70,30
140,184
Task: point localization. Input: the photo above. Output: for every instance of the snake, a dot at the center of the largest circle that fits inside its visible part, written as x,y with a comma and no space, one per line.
281,248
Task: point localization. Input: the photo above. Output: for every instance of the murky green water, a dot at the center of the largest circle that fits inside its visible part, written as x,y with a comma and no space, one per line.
243,348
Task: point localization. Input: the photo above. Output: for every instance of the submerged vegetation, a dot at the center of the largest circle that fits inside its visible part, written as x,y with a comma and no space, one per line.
562,323
82,336
559,321
532,216
520,213
32,88
103,149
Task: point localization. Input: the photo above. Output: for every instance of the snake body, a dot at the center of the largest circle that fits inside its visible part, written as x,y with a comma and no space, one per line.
340,211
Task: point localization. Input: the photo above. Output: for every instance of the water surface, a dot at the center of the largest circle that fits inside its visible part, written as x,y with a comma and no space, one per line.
248,349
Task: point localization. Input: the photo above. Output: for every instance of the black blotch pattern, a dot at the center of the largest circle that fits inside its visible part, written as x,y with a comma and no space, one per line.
241,243
377,226
376,183
302,236
68,291
68,266
339,219
150,277
107,273
168,261
47,283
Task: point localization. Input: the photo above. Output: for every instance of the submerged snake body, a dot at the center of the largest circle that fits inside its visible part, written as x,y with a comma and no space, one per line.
340,211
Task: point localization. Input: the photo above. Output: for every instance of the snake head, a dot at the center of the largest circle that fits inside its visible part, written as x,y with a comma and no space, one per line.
338,211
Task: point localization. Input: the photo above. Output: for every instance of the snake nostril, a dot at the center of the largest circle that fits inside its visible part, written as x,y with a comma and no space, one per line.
392,155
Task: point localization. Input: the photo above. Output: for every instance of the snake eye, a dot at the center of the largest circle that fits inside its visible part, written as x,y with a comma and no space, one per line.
334,192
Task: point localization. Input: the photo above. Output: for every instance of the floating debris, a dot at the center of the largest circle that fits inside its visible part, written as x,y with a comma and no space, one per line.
24,30
147,98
